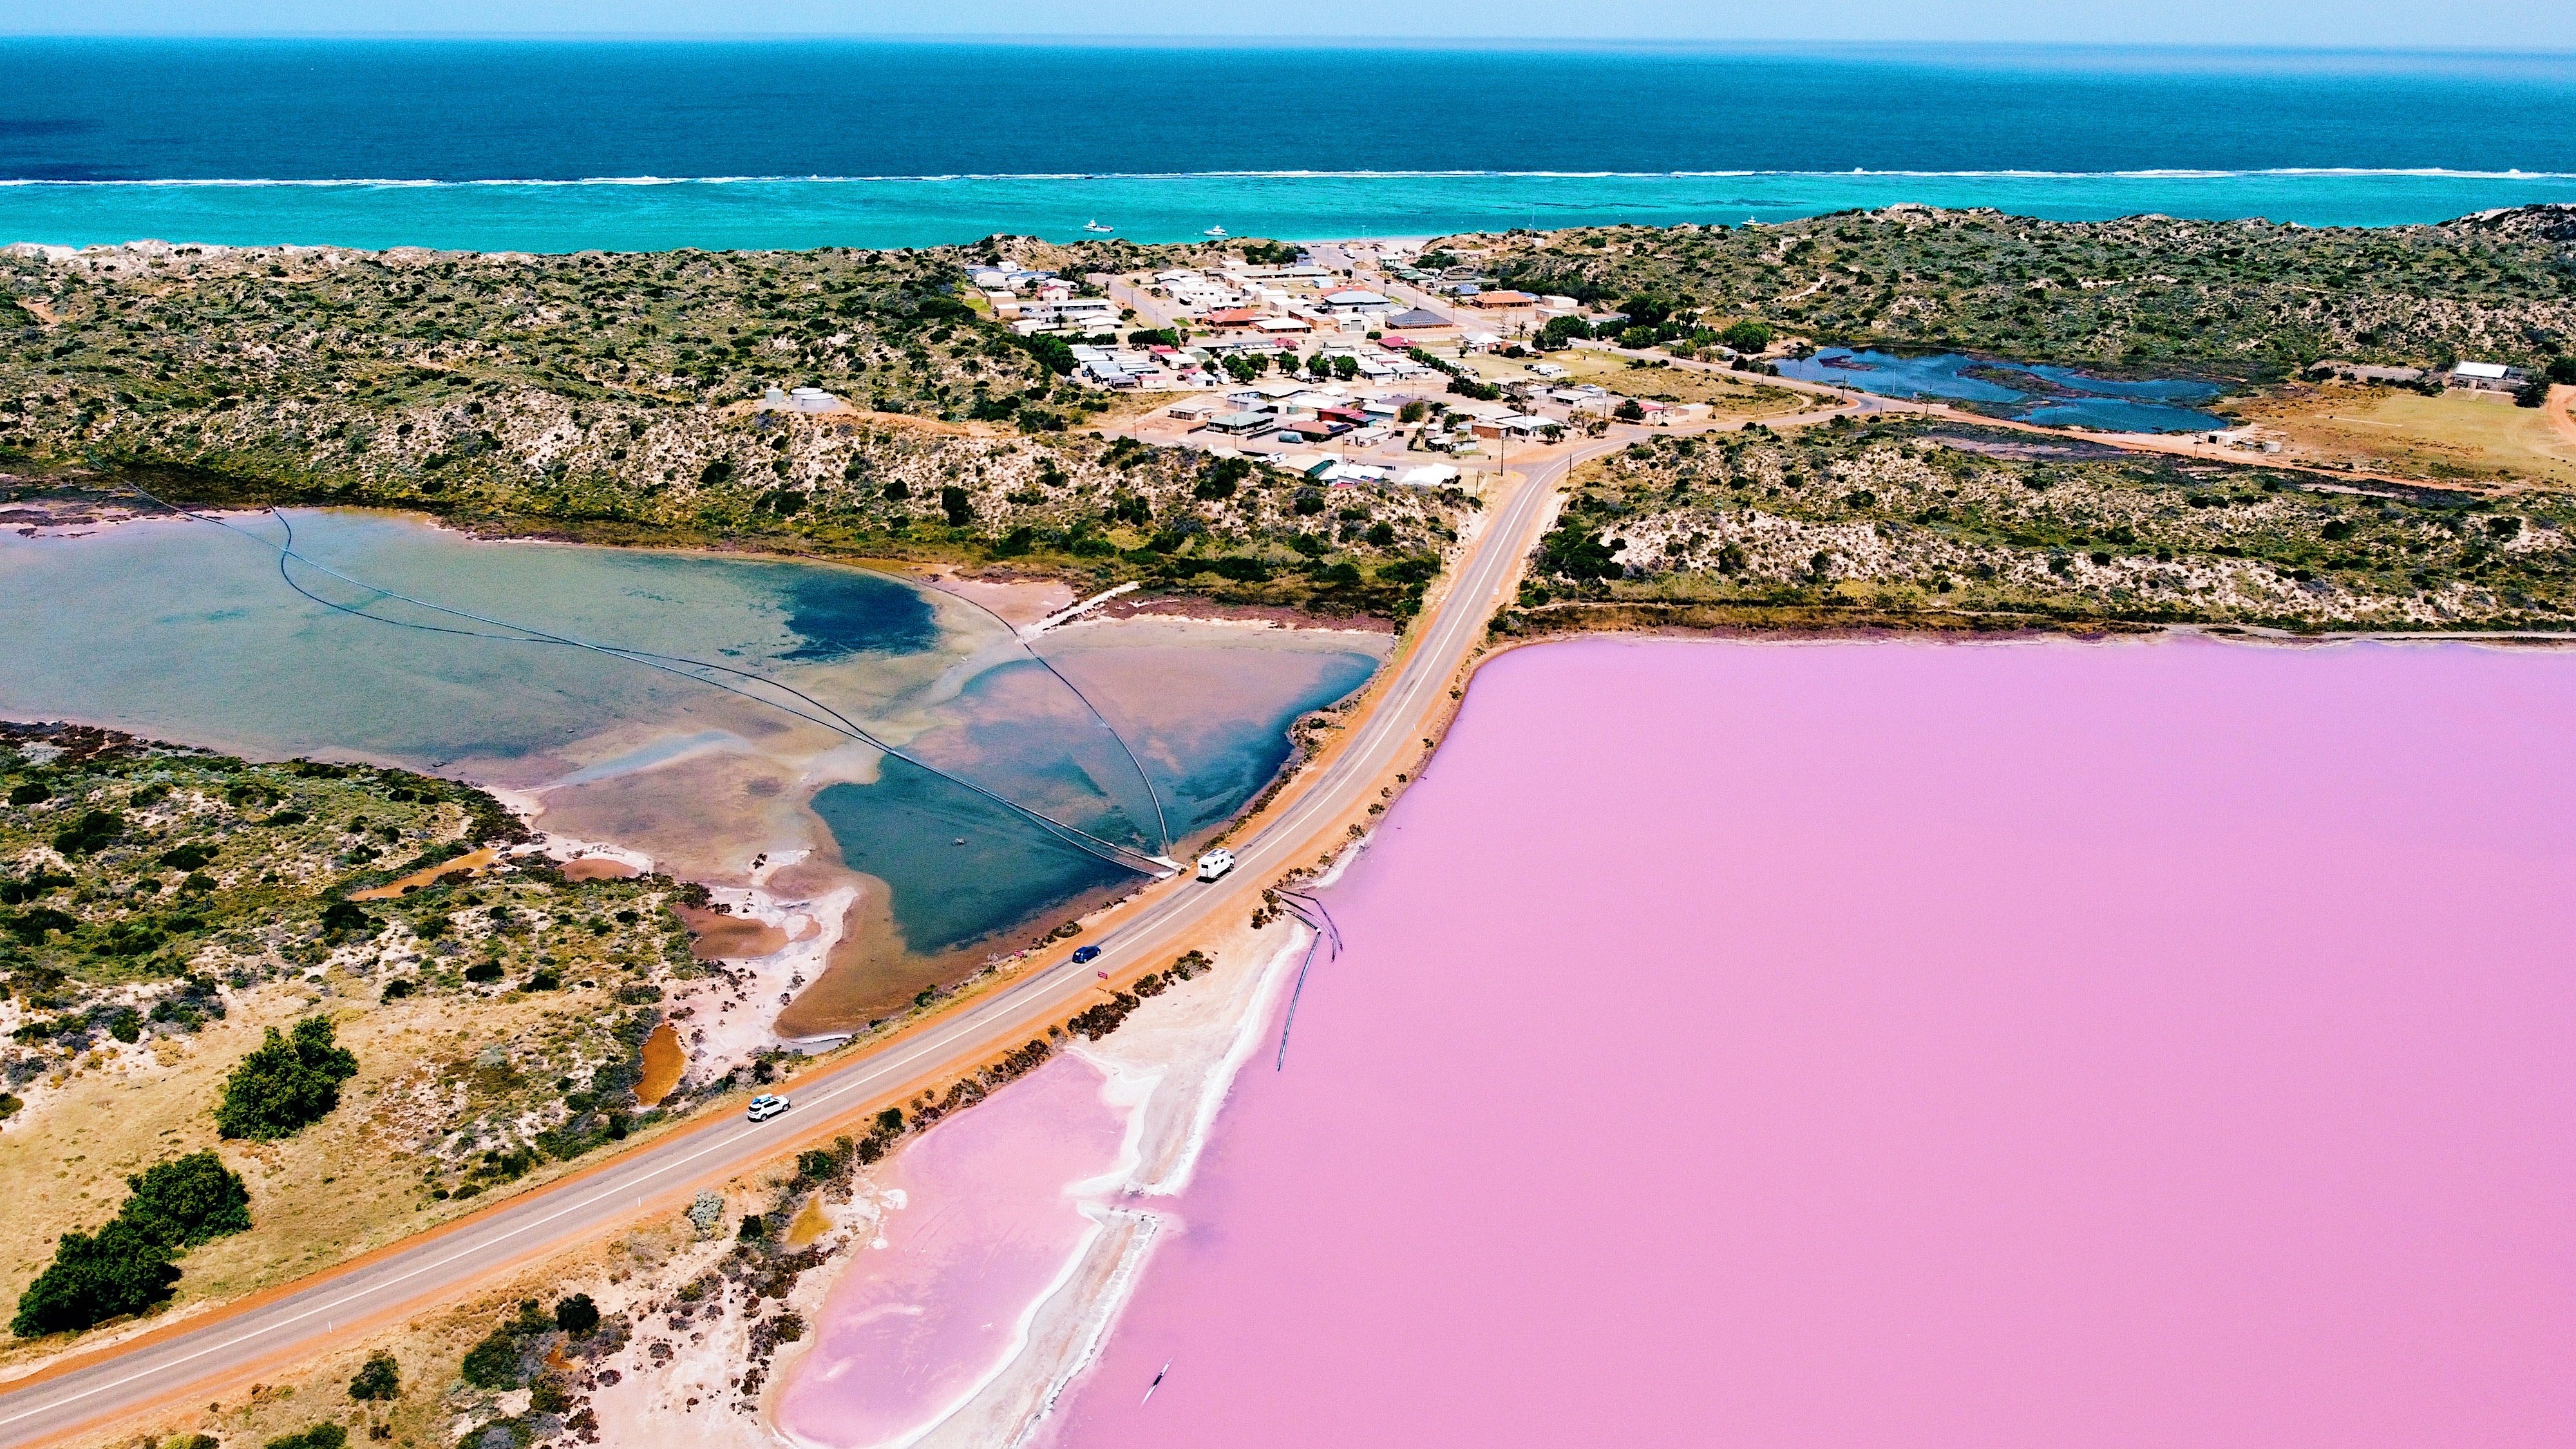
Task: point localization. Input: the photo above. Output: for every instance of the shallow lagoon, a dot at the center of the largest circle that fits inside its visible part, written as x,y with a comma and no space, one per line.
186,631
2056,396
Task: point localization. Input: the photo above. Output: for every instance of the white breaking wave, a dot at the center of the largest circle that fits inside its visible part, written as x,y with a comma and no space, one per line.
2437,173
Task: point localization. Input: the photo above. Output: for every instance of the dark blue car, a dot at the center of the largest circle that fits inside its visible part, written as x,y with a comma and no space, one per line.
1085,953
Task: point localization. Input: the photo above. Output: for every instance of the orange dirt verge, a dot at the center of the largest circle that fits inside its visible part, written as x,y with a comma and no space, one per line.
414,881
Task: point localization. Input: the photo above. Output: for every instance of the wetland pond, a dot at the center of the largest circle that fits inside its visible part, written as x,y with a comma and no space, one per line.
2023,392
182,630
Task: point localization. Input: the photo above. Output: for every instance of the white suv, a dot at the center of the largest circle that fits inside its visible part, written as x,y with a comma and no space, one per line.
766,1106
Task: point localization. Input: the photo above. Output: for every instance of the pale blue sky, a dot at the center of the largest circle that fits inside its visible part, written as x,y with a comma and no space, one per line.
2499,24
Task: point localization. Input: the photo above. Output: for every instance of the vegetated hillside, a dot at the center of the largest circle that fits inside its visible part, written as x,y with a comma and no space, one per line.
1936,521
611,397
2250,299
161,907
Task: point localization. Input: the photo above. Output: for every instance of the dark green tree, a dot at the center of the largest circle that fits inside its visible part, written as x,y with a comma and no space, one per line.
320,1436
577,1315
92,1279
1746,336
187,1201
286,1083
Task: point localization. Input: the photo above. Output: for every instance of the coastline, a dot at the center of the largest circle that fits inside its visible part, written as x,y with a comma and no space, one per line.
1167,1070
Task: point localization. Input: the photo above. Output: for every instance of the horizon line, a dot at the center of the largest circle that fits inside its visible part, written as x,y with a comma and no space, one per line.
1297,42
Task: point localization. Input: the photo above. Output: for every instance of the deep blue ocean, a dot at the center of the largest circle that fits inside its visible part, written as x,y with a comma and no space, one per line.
561,146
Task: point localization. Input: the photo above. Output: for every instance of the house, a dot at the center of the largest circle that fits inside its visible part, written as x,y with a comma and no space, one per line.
1352,300
1234,317
1547,369
1511,425
1239,423
1278,326
1429,475
800,400
1196,409
1492,301
2486,376
1418,319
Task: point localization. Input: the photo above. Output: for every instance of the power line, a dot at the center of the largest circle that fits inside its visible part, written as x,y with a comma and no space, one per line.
1125,856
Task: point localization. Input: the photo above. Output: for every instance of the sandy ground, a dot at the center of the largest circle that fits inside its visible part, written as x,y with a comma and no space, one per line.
1020,602
2459,436
1172,1063
681,1402
730,1015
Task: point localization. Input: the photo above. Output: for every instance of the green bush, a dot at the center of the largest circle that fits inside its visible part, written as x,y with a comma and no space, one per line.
380,1379
94,1278
320,1436
188,1201
94,831
577,1315
286,1083
344,919
493,1363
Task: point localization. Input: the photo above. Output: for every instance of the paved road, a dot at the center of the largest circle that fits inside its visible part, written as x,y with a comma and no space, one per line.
185,1363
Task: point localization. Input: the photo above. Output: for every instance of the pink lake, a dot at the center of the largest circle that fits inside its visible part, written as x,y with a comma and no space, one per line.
1917,1045
990,1221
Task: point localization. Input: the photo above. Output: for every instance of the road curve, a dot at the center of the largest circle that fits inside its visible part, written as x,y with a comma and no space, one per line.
180,1363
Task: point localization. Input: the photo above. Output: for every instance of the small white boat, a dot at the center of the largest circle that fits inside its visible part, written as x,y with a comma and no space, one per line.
1096,226
1213,231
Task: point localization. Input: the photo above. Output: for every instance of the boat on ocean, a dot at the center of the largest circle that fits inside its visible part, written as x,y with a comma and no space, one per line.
1096,226
1213,231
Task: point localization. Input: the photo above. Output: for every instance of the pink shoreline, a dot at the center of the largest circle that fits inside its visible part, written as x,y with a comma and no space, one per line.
990,1222
2140,1044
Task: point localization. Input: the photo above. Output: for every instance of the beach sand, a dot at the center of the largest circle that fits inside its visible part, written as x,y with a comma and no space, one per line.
1159,1081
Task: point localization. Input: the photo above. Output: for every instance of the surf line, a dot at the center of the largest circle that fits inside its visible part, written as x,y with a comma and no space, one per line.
1127,856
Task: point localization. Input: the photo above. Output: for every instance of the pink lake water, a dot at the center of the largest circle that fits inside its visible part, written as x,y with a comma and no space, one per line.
1899,1044
990,1220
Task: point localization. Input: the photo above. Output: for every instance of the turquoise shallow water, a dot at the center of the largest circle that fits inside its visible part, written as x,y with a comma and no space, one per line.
2061,396
502,144
654,215
184,631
